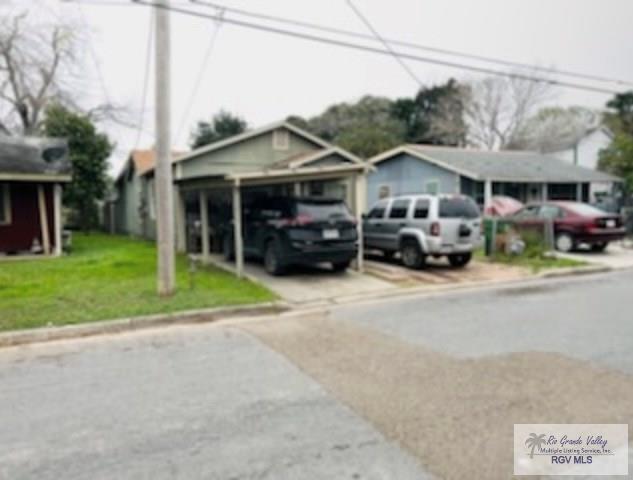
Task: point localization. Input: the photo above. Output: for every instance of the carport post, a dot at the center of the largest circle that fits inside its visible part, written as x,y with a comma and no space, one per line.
204,221
180,220
359,204
544,192
579,192
237,229
487,193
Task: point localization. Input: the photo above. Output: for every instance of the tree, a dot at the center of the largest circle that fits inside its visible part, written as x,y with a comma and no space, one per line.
351,125
221,126
33,61
89,151
555,128
620,112
497,108
433,116
617,159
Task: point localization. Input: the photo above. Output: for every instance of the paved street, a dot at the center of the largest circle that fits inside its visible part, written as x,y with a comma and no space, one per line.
411,388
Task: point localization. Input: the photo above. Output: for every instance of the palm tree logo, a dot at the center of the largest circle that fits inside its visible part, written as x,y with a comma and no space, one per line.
535,441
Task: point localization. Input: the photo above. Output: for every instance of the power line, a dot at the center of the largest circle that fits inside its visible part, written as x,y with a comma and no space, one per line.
93,54
203,67
365,48
148,51
443,51
401,62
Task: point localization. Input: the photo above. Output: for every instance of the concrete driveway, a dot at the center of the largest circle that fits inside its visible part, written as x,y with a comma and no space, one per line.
616,256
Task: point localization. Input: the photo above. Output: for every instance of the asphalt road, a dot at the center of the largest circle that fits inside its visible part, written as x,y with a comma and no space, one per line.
387,390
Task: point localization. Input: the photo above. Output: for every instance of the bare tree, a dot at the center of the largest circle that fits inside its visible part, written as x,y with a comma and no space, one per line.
555,128
496,108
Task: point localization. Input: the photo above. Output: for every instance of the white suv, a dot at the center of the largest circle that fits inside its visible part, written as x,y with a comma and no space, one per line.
422,225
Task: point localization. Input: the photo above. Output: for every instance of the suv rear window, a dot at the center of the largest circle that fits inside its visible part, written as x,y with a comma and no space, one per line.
399,208
323,210
458,207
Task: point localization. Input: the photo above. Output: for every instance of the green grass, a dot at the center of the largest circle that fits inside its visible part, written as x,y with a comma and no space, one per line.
108,277
535,262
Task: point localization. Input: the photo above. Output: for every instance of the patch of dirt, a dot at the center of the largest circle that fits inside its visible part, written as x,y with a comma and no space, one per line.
456,416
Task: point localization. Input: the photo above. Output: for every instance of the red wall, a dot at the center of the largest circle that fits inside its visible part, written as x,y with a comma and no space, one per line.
25,218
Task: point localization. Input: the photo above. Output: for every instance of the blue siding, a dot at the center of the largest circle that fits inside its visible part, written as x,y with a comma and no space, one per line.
406,174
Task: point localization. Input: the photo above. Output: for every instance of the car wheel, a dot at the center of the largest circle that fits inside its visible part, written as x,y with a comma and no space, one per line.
460,260
228,247
564,242
272,258
341,266
412,256
599,247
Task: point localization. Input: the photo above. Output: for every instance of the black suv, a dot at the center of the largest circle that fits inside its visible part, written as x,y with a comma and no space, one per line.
285,231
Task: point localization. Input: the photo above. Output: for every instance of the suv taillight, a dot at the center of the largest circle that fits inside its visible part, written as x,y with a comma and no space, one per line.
435,229
298,221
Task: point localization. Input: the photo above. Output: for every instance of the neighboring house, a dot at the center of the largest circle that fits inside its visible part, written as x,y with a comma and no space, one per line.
526,176
586,153
32,172
212,182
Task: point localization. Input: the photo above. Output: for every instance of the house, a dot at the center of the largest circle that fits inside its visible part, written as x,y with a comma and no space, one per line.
32,173
212,182
526,176
586,153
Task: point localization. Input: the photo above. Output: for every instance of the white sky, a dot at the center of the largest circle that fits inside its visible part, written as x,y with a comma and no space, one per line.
265,77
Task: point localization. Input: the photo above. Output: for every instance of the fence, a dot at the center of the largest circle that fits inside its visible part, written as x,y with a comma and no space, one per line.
506,237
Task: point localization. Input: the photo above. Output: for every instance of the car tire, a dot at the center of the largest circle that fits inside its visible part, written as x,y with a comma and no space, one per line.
412,255
599,247
460,260
272,258
228,247
341,266
564,242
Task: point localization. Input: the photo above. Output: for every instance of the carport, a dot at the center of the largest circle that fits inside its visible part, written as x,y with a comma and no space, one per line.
294,180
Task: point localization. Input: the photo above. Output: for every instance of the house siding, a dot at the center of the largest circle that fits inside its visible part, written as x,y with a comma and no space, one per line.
406,174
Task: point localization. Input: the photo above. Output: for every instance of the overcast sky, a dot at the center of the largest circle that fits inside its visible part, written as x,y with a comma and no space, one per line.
265,77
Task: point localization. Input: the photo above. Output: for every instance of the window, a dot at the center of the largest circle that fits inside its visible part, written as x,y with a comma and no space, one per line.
528,212
432,187
399,208
421,208
281,140
378,211
550,211
317,189
384,191
458,207
5,204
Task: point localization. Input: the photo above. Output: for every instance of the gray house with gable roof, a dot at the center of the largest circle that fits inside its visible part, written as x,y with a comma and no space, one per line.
526,176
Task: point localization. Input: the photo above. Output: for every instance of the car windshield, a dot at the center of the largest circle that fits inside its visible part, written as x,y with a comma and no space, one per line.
458,207
586,210
323,210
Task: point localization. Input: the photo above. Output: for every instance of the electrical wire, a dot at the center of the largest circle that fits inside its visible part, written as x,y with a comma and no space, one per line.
371,28
201,71
335,42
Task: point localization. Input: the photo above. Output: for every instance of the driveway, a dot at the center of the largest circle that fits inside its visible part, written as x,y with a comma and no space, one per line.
616,256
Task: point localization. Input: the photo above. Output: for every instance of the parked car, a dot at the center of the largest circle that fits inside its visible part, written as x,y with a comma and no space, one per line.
285,231
574,223
422,225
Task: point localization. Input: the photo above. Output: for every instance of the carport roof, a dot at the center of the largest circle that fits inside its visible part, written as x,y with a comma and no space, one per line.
507,166
34,159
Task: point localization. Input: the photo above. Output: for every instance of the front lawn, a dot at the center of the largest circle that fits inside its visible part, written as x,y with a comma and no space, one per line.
108,277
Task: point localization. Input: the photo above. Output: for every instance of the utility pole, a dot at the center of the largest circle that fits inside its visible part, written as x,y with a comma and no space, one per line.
163,173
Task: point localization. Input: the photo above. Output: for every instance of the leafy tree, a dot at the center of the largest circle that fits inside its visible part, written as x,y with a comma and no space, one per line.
221,126
367,140
617,159
434,115
620,114
89,151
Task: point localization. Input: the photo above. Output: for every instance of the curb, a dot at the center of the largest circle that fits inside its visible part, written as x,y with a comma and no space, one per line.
104,327
571,271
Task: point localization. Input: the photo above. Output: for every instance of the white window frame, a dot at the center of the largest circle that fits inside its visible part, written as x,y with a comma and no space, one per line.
388,190
434,182
5,191
281,139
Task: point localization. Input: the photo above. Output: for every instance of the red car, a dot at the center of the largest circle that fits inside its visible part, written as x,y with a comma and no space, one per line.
574,223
